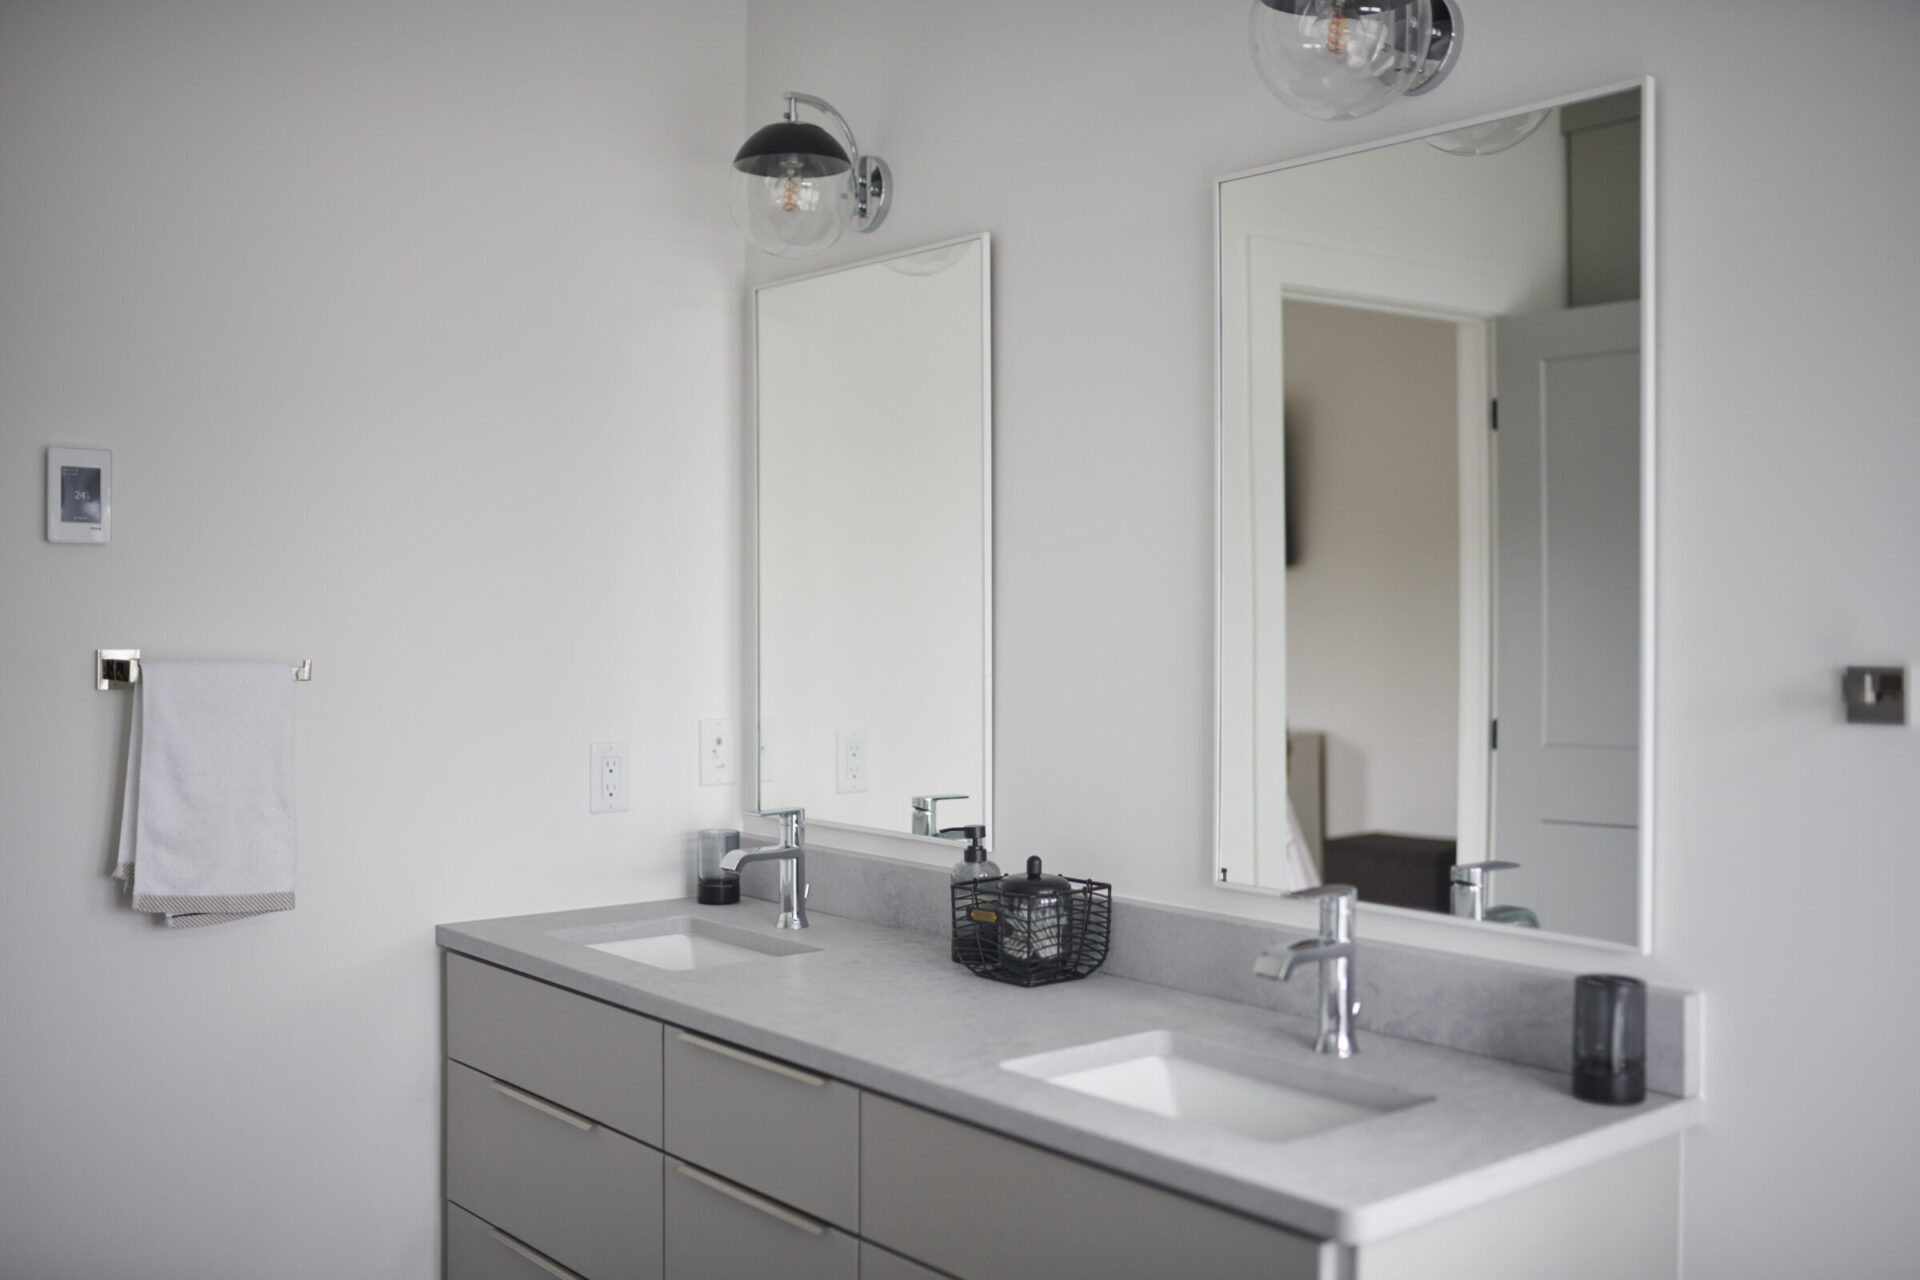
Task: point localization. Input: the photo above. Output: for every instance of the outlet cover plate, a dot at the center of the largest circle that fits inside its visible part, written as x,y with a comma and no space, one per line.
716,753
607,778
850,772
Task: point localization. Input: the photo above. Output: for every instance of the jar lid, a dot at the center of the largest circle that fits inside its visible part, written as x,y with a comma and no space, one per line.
1034,884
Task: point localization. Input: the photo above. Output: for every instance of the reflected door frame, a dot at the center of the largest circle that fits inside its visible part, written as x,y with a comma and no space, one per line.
1281,271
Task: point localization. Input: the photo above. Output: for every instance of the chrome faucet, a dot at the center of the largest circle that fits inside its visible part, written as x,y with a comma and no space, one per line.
1332,953
926,814
791,853
1471,884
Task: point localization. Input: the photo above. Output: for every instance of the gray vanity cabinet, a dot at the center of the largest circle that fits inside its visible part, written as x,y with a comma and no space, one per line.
720,1230
478,1250
587,1142
589,1057
782,1131
562,1184
1034,1215
552,1121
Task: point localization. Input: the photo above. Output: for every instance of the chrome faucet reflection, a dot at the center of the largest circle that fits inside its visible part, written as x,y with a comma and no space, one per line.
791,854
1332,953
1472,885
926,814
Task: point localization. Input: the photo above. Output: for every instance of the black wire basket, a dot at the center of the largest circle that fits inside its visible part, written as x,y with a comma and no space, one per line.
1061,941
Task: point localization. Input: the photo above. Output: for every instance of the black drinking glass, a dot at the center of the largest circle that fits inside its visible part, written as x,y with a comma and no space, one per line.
1609,1038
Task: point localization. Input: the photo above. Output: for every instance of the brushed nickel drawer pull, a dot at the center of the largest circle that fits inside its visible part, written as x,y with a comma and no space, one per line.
751,1059
534,1256
541,1105
773,1209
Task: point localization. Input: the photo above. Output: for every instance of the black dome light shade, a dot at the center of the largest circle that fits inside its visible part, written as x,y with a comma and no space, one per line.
788,142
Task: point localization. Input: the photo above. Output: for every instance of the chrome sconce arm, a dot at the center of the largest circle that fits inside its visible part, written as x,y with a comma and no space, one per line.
872,176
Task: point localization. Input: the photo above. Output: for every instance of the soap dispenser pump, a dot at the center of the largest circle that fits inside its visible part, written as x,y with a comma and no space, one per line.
974,864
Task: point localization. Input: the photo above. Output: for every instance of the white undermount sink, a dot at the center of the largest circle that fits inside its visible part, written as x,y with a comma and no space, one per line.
1214,1086
682,942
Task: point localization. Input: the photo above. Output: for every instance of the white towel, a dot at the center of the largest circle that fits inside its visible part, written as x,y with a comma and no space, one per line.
206,823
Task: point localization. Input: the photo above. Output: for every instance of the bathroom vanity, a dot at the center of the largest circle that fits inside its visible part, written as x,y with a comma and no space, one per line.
846,1102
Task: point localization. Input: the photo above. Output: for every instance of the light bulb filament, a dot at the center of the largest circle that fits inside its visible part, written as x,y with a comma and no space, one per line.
1339,28
790,195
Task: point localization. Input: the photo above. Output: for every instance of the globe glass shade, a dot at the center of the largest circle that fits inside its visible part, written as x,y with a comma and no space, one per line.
1338,59
790,213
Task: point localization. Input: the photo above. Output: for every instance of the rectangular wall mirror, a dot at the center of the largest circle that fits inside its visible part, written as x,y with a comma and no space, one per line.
1435,522
873,410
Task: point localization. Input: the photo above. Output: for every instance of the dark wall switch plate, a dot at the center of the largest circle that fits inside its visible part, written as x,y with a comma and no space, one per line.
1875,695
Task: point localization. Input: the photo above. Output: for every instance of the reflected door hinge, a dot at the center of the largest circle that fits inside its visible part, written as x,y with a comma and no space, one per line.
1493,414
1493,737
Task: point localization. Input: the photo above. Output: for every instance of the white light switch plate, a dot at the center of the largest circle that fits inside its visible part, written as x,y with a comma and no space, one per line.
607,780
716,752
850,773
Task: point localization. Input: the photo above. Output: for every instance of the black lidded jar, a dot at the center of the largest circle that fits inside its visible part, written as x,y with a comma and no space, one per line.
1609,1038
1034,917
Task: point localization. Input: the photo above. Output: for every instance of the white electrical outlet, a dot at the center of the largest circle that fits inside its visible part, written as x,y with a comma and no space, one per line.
607,778
851,773
716,752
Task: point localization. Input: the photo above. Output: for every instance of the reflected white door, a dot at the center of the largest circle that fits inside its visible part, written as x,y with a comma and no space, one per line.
1567,655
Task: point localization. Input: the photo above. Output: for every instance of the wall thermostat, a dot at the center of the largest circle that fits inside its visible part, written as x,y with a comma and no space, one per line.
79,495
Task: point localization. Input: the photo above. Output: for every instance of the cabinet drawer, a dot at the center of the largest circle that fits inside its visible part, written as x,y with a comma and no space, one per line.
878,1264
1033,1215
479,1251
589,1057
719,1230
575,1190
788,1133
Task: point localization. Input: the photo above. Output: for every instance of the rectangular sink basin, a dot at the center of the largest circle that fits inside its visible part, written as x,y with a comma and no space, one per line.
682,942
1213,1086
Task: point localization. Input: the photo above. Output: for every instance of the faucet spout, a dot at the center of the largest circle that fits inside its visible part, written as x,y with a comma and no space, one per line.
791,854
1313,951
738,858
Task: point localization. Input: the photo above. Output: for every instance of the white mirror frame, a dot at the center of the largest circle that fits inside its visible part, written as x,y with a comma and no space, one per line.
752,755
1649,469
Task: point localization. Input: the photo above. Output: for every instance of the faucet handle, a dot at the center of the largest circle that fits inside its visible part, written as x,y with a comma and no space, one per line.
1326,891
1478,872
791,819
1336,909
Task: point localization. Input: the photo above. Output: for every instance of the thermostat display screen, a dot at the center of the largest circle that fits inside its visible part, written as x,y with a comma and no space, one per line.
80,495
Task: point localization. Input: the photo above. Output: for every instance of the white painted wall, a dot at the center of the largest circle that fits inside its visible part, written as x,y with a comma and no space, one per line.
1373,598
1086,136
414,330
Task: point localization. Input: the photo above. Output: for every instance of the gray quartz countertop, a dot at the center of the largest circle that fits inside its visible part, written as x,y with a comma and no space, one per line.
889,1011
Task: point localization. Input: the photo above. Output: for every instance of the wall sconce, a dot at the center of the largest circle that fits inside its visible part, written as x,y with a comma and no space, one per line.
789,194
1337,59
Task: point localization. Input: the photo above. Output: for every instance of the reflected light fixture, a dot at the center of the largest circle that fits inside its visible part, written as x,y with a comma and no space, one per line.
1491,137
1338,59
795,188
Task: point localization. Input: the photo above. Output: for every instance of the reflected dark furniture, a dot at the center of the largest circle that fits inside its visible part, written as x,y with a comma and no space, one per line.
1395,870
